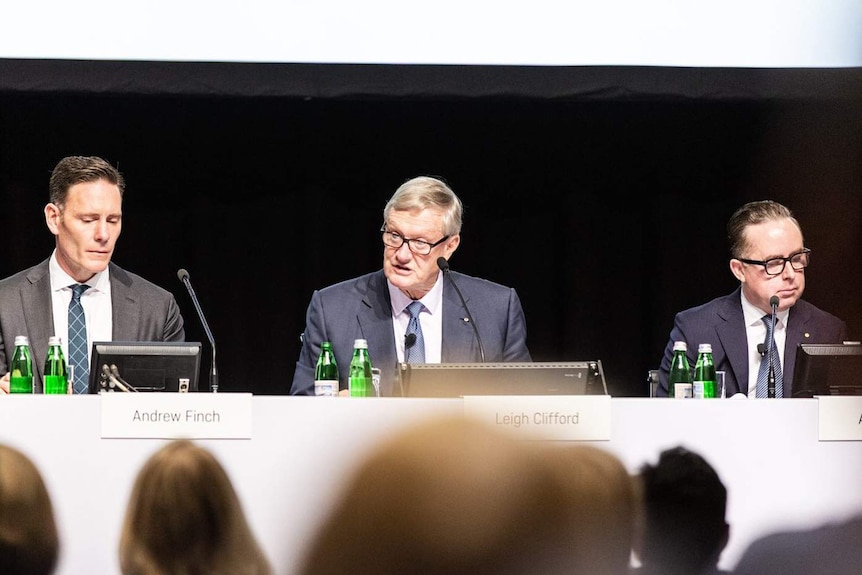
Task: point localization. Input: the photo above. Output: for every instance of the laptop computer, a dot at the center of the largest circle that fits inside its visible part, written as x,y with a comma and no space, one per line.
527,378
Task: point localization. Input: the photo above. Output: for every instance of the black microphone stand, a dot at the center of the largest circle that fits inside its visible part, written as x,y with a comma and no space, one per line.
183,275
770,379
443,264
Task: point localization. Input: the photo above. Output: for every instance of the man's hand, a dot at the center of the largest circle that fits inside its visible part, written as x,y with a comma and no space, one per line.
4,384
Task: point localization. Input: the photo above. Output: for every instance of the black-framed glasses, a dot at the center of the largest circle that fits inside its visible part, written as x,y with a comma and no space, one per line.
418,247
773,267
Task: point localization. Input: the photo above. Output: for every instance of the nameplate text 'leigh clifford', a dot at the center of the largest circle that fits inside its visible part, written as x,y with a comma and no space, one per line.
548,417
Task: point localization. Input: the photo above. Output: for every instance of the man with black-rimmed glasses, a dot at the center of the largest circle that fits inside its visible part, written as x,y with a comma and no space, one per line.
405,311
769,258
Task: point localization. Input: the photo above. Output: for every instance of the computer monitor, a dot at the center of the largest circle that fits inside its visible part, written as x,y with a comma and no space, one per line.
526,378
144,366
828,369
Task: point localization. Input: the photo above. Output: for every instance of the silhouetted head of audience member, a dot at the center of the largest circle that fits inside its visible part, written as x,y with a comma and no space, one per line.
185,518
29,543
454,496
603,503
685,528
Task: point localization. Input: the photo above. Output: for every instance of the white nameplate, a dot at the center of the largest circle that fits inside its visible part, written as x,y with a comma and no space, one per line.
176,415
554,417
839,418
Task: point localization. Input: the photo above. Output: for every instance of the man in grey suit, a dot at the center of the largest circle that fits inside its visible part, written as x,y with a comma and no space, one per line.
85,216
421,223
768,257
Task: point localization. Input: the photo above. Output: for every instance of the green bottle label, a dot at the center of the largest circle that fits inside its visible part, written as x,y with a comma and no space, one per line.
56,385
20,384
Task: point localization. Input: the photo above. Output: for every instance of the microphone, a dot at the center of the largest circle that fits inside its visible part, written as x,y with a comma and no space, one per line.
109,380
409,341
762,349
119,381
443,264
770,380
184,277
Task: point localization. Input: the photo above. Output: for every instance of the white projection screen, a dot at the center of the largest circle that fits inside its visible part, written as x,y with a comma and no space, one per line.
389,48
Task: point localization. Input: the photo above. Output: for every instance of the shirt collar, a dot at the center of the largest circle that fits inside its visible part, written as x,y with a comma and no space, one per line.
61,280
754,315
432,300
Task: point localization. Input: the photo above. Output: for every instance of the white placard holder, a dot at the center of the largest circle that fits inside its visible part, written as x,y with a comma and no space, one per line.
545,417
839,418
176,415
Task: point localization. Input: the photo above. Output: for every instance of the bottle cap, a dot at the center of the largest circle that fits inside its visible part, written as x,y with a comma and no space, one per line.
680,346
21,340
54,340
360,343
704,348
326,345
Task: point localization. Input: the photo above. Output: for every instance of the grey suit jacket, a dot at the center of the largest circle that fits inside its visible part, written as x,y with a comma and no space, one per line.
721,323
360,308
141,310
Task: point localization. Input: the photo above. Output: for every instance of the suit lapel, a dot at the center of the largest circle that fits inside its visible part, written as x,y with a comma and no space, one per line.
459,341
728,333
797,320
37,302
375,324
124,320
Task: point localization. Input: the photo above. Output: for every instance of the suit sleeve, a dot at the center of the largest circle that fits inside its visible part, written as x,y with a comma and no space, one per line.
173,329
303,375
515,344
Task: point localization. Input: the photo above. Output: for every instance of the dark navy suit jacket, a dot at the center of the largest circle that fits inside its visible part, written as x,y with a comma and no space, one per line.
721,323
360,308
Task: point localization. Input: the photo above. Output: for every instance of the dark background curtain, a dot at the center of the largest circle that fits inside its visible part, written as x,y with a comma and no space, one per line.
600,194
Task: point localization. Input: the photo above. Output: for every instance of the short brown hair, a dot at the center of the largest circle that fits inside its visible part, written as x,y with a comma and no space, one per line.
78,169
751,214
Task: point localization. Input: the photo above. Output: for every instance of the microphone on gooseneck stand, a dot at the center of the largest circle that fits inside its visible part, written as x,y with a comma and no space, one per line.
770,380
184,277
443,264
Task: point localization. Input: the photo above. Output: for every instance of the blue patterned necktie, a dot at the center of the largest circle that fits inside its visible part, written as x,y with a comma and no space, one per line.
763,373
416,352
78,339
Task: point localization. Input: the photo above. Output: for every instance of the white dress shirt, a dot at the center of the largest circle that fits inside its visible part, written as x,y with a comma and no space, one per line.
756,333
431,319
96,302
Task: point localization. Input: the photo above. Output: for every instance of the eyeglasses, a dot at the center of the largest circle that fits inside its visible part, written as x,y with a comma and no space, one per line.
418,247
774,266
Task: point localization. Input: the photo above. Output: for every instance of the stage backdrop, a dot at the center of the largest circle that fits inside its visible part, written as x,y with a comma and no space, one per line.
597,175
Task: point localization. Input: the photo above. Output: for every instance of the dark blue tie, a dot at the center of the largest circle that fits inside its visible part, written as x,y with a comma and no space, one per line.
78,339
763,373
416,352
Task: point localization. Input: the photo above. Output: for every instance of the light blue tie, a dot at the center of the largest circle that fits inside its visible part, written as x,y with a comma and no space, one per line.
416,352
78,339
763,373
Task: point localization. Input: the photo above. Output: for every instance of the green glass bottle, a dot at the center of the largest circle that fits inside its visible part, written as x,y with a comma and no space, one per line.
55,368
704,373
21,374
360,382
679,379
326,372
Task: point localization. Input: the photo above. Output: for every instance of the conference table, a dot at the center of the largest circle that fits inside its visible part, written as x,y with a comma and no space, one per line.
299,451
